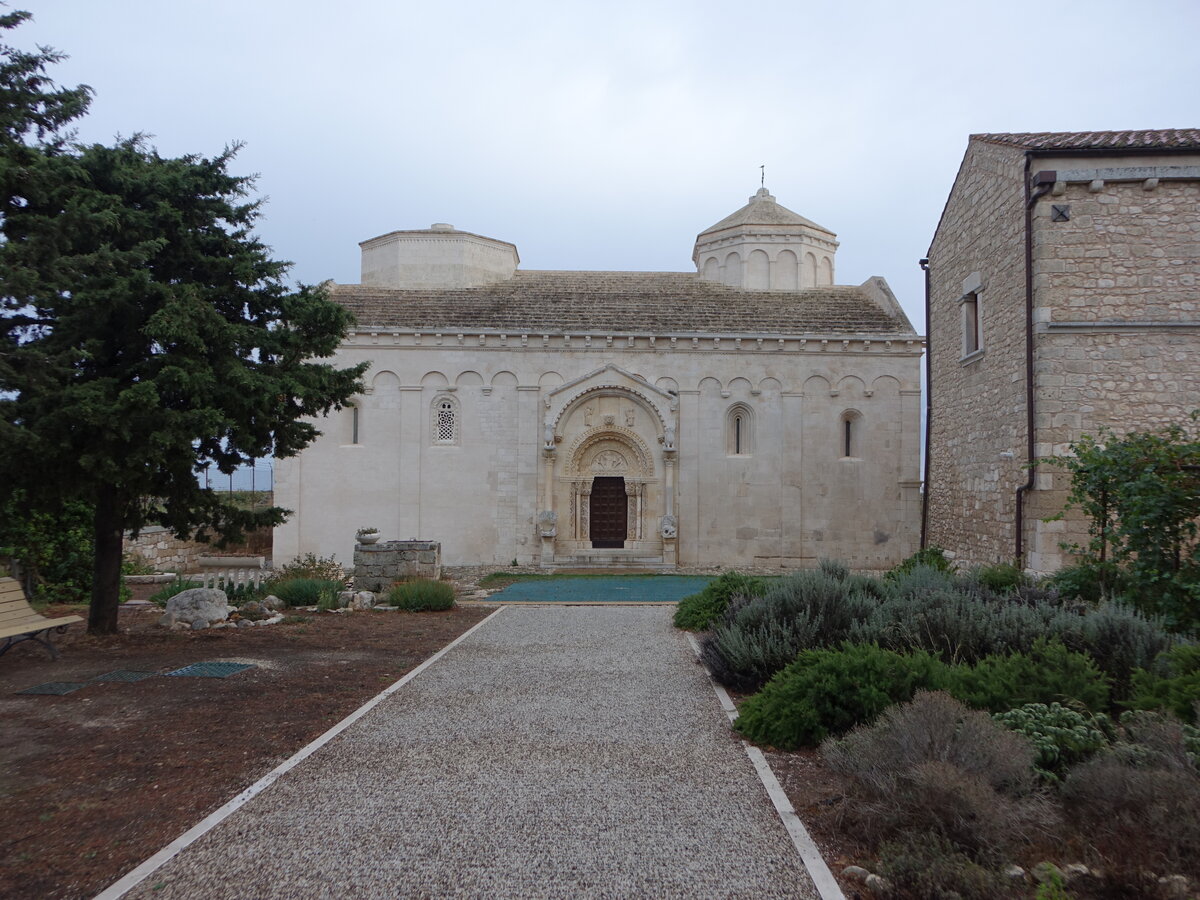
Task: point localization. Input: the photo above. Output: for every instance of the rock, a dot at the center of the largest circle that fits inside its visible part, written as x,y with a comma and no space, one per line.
345,598
878,885
858,873
199,624
245,623
272,602
274,620
1013,872
168,621
362,600
1176,887
252,609
206,605
1076,870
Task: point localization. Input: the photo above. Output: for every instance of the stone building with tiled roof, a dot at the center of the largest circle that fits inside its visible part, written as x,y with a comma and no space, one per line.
1063,297
749,413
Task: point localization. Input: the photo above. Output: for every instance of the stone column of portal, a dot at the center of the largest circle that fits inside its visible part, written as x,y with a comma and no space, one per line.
631,510
547,521
585,510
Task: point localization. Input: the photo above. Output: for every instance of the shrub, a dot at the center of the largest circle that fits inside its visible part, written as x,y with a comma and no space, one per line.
934,766
929,867
312,566
1061,737
422,594
757,638
1048,673
1002,578
1140,801
1119,638
828,691
305,591
1172,683
1089,581
834,568
697,612
169,590
929,558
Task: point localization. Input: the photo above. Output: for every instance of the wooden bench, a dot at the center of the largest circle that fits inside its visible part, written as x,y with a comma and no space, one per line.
19,622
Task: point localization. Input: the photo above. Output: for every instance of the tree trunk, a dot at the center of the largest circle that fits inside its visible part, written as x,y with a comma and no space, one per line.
106,573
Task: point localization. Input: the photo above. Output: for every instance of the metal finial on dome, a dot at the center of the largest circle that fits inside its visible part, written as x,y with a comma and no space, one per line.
762,179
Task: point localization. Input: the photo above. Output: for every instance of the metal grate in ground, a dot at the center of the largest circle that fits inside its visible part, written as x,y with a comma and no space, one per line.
126,675
57,688
210,670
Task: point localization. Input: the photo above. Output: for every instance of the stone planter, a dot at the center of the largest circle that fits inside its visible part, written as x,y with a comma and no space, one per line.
368,538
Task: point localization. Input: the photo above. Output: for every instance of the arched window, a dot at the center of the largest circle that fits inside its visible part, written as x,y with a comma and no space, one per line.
739,431
850,434
445,420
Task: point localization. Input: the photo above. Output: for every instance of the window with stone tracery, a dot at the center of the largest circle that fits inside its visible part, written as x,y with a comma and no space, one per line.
445,420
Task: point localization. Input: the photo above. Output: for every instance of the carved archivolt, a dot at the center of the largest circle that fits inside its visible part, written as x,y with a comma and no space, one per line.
610,451
618,390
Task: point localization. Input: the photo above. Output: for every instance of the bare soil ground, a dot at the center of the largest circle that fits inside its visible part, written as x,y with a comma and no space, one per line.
93,782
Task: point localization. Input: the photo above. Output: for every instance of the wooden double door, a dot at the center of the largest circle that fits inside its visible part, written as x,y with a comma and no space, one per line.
609,517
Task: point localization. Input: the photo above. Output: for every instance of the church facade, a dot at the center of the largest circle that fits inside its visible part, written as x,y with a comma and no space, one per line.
751,412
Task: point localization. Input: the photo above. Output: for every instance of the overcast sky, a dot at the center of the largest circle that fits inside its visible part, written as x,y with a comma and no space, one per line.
607,135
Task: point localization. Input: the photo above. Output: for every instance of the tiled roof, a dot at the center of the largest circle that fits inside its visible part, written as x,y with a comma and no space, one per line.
1170,138
620,303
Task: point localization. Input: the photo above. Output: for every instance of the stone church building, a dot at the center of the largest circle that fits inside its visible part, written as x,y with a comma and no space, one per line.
1063,296
750,412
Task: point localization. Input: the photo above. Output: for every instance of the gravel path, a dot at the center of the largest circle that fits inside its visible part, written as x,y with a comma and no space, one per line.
556,752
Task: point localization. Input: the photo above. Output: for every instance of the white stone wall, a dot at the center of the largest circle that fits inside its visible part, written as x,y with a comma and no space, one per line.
790,501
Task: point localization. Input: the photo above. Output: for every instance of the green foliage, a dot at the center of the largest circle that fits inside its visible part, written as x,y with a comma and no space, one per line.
829,691
1052,888
422,594
1172,683
697,612
929,558
327,599
824,692
930,867
52,552
133,563
1060,736
1002,578
311,566
1141,495
169,590
1089,580
922,608
834,568
305,591
1048,673
758,637
146,332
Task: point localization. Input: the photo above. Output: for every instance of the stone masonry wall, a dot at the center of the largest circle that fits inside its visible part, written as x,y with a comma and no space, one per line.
977,434
1117,293
377,566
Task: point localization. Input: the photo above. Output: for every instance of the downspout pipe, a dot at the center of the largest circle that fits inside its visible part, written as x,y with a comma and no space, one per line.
924,264
1032,195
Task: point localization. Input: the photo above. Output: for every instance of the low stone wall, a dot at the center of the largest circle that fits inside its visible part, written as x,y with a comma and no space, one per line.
167,553
377,566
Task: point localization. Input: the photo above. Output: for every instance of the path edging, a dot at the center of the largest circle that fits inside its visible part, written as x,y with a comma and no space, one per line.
810,855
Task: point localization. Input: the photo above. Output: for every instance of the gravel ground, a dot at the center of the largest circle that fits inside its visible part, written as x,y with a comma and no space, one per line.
556,752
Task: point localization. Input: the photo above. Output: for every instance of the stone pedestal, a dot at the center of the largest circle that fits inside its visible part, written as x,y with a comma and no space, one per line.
377,566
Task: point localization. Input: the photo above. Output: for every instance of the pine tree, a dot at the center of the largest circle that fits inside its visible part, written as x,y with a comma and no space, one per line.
147,334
